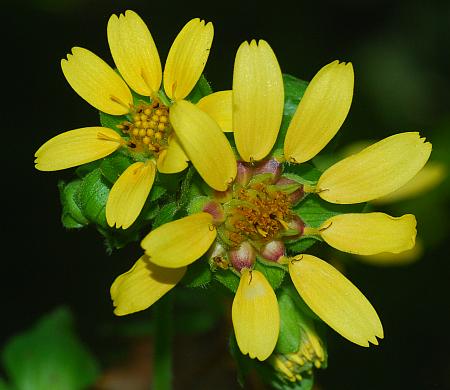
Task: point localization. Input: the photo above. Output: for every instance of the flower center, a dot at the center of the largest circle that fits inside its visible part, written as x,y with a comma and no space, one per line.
149,129
260,213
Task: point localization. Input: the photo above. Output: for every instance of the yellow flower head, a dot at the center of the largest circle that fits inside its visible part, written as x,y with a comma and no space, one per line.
149,133
260,212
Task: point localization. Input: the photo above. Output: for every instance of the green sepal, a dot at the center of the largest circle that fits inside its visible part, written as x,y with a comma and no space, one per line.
302,244
49,356
71,217
198,274
273,272
201,89
294,89
303,173
113,166
314,211
91,197
196,204
166,214
227,278
112,121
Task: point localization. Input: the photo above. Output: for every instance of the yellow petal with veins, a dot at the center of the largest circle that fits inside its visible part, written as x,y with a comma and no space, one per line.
376,171
218,105
173,159
180,242
205,144
187,58
96,82
370,233
336,300
258,100
76,147
429,177
142,286
321,112
129,193
134,52
256,316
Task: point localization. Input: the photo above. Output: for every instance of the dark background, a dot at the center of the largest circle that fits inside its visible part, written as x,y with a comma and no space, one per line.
400,53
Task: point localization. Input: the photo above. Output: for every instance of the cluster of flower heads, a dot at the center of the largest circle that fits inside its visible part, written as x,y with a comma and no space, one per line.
251,208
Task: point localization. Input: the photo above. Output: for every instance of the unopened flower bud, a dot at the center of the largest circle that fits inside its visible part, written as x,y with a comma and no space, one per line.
215,209
242,257
273,250
295,196
268,166
296,224
244,173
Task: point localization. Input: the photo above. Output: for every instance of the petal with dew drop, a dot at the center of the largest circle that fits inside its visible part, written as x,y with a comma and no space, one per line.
135,53
205,144
180,242
336,300
187,58
96,82
321,112
256,316
142,286
370,233
258,100
376,171
129,193
173,159
218,105
77,147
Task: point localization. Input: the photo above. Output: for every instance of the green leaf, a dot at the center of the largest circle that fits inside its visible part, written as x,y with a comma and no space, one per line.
49,356
198,274
91,197
72,216
294,89
84,169
314,211
202,88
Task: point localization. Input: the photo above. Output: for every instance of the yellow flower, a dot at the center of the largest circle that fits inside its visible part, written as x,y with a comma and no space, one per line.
256,214
150,132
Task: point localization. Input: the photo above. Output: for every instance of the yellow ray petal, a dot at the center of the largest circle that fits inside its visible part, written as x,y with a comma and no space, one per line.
187,58
369,234
129,193
135,53
205,144
218,106
256,317
76,147
375,171
96,82
321,112
336,300
258,100
429,177
142,286
180,242
173,159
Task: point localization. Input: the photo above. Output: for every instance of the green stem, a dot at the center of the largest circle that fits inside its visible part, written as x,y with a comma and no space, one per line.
162,352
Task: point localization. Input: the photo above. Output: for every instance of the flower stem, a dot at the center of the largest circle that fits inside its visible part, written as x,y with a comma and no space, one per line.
162,352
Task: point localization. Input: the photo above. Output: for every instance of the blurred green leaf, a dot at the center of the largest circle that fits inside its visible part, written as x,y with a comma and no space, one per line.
273,273
49,356
198,274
